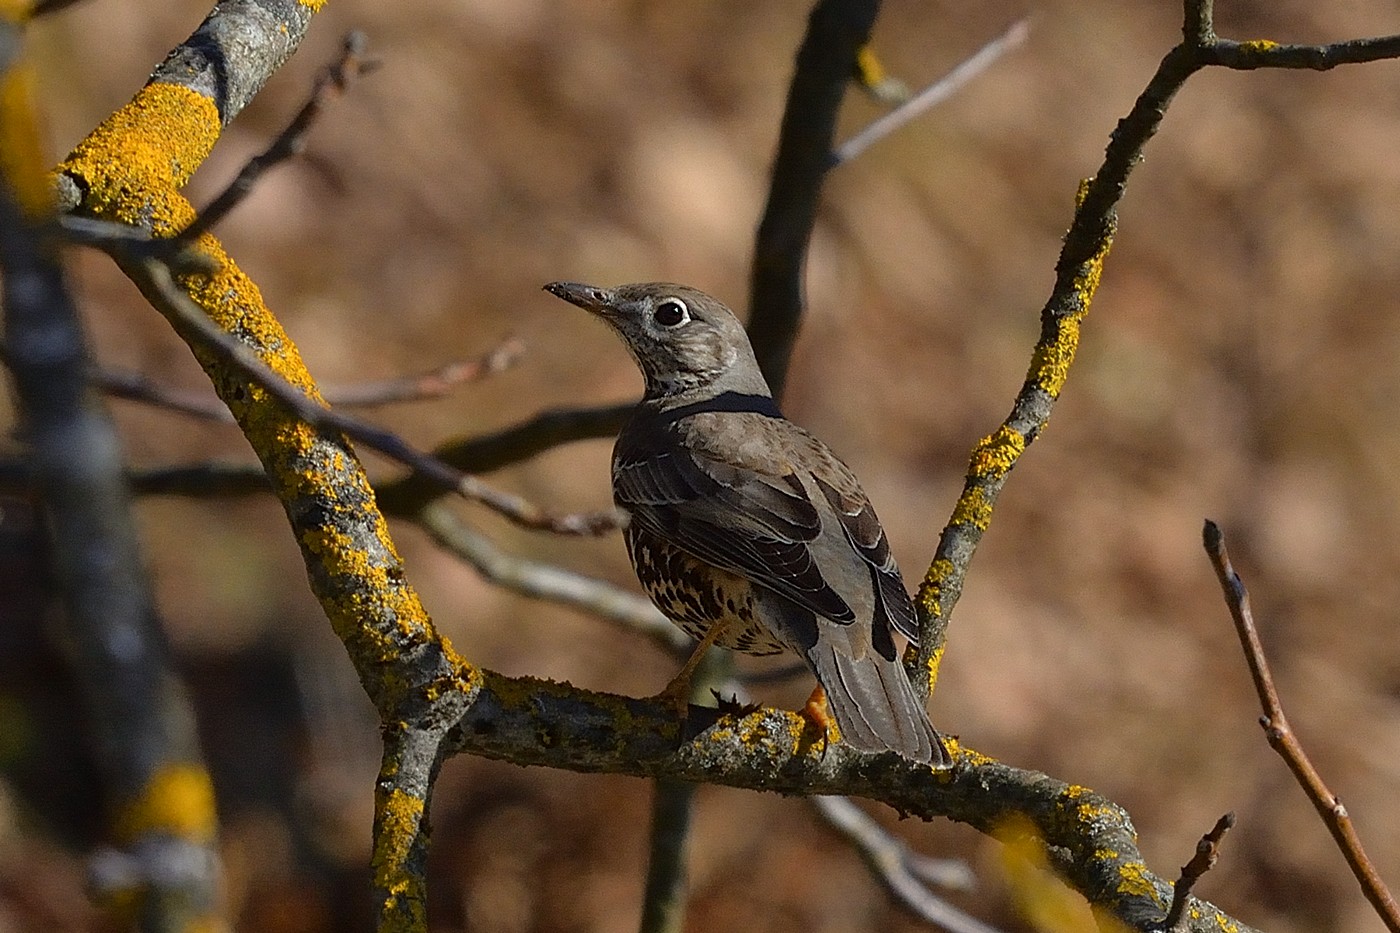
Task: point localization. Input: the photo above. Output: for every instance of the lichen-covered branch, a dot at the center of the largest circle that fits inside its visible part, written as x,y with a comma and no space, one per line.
1077,276
1090,840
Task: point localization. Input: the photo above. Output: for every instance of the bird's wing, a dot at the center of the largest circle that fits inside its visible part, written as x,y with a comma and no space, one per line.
744,520
867,538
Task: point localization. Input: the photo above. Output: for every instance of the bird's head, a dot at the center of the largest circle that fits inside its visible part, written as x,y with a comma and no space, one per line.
685,342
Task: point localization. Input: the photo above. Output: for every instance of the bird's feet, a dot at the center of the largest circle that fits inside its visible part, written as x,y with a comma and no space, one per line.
818,713
732,706
675,696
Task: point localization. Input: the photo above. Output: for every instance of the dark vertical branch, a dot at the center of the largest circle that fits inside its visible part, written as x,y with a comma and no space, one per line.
163,809
836,31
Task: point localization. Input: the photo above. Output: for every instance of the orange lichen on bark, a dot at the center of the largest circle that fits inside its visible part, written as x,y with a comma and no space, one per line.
132,167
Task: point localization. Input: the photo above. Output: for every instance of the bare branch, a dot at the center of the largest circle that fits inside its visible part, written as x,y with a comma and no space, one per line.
1207,851
509,445
1283,740
137,387
141,723
291,141
836,32
548,582
432,384
905,873
933,95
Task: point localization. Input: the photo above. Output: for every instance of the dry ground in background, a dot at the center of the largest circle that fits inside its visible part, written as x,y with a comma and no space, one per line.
1239,363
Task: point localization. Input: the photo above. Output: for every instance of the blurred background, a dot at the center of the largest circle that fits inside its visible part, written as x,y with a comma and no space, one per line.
1239,363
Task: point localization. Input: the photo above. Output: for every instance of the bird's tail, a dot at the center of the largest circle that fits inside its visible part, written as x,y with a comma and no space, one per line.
875,707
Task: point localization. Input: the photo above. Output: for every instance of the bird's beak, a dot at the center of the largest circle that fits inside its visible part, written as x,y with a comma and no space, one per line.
588,297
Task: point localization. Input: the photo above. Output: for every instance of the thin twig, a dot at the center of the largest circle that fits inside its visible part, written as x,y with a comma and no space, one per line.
138,387
549,582
291,141
432,384
1207,851
1283,740
512,444
906,873
148,268
933,95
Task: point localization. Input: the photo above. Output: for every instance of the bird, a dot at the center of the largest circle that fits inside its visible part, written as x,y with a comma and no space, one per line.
748,532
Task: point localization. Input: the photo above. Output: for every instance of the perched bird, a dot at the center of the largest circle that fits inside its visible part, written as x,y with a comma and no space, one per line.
745,530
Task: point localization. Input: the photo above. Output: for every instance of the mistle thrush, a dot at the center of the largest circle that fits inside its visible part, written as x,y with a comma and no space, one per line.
745,530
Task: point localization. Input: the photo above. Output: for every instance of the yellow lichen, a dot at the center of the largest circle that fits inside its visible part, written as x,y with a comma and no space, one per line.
996,453
22,160
133,165
1135,880
972,509
931,589
1258,45
935,661
400,818
178,799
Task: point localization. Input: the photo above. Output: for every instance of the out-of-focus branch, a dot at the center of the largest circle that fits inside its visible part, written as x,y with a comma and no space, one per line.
673,801
1207,851
1283,740
933,95
153,276
201,480
836,32
1077,277
549,582
162,801
432,384
518,442
904,872
138,387
291,141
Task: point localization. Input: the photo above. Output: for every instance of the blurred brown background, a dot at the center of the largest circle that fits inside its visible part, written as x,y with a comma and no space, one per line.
1239,363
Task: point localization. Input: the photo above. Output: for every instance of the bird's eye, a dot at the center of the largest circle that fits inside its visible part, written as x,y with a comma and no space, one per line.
671,312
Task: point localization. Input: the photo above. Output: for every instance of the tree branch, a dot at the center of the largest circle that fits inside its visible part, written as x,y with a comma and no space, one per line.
1283,740
901,870
836,32
1207,851
161,806
1078,272
1090,840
